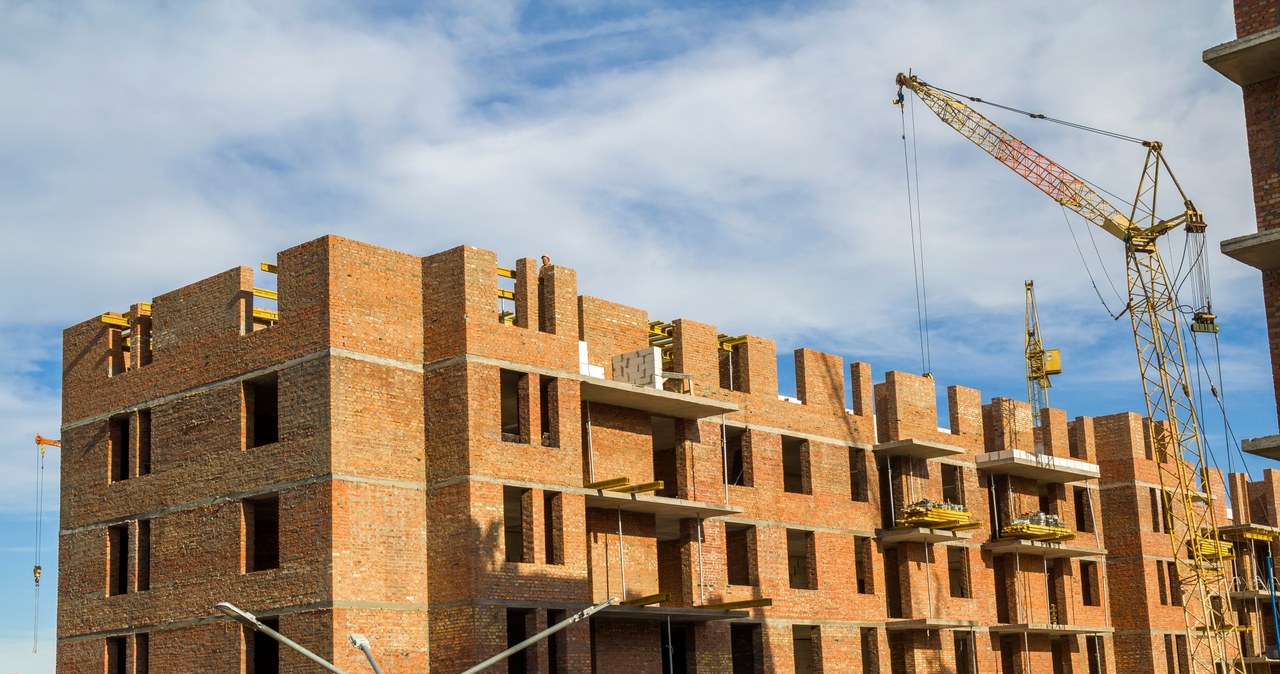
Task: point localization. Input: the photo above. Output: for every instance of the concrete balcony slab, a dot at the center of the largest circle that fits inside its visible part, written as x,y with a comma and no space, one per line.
1250,59
1039,467
658,505
891,537
930,624
677,614
917,449
653,400
1045,628
1010,546
1267,446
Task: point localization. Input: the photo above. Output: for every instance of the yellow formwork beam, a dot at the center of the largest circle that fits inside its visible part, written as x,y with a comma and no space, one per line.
650,599
639,488
611,483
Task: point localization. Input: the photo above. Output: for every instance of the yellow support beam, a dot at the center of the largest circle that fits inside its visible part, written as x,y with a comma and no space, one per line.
266,315
645,601
639,488
611,483
506,273
506,294
266,294
268,267
112,318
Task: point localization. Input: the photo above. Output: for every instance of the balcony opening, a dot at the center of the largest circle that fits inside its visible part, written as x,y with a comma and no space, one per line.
262,533
517,524
548,411
117,656
677,644
1057,599
1048,496
665,465
858,475
1090,587
553,526
736,452
264,652
740,543
893,587
870,649
958,571
795,465
863,573
898,651
1184,657
1060,652
1084,509
557,644
801,568
144,555
747,648
1096,653
966,663
952,484
118,439
142,653
515,424
519,628
1008,649
144,442
1002,590
888,515
117,560
806,645
261,412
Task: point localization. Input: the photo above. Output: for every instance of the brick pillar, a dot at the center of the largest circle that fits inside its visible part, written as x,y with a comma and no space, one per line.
819,378
757,363
527,293
860,381
559,311
694,352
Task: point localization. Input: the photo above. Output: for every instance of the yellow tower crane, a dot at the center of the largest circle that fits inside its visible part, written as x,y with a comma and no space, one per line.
1041,362
1153,309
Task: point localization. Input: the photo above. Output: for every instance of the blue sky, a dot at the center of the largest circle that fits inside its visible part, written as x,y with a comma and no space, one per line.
735,163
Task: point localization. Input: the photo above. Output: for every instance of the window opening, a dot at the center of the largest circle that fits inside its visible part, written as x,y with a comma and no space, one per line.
117,559
1175,585
745,642
858,490
804,641
863,573
517,524
958,571
1060,651
800,562
1155,509
144,555
963,642
739,539
1090,590
553,526
870,650
548,411
144,442
665,468
795,465
261,412
262,533
735,445
142,653
1095,653
264,652
517,631
893,587
952,484
514,424
556,643
118,439
117,656
1160,580
1084,509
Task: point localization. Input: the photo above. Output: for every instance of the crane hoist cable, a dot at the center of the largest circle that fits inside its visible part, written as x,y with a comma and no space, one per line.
37,570
910,160
1196,545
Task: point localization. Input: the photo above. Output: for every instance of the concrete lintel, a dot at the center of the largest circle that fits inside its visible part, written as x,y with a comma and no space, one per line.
658,505
1250,59
930,624
677,614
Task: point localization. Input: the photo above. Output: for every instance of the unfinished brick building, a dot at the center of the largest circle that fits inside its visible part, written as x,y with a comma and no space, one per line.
403,448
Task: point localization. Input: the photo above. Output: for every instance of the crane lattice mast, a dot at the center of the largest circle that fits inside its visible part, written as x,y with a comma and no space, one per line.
1189,496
